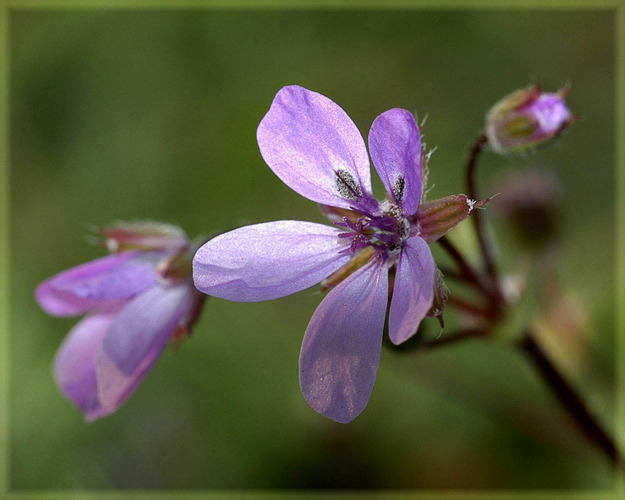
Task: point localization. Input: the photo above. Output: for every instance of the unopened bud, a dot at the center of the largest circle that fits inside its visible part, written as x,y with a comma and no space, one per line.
526,119
143,235
437,217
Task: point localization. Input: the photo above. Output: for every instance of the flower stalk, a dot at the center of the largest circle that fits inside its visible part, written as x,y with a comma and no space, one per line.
488,284
569,398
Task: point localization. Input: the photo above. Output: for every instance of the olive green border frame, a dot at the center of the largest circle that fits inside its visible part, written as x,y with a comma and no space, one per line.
7,6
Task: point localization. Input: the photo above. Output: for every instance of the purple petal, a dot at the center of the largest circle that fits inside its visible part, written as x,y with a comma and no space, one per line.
395,146
137,338
341,350
413,291
74,363
115,387
267,261
150,319
114,277
314,148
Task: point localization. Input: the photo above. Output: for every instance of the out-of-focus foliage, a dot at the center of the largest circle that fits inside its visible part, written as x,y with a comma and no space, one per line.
152,114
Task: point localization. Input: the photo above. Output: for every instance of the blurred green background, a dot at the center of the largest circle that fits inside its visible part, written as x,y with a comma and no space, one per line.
119,115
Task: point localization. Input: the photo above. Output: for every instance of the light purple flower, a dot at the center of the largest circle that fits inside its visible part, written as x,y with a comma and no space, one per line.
526,119
313,146
135,301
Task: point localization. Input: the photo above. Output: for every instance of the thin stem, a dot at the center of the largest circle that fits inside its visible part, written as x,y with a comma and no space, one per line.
473,309
569,398
489,262
452,338
465,268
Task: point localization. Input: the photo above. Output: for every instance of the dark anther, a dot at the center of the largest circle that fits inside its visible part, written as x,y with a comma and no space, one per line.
346,185
398,189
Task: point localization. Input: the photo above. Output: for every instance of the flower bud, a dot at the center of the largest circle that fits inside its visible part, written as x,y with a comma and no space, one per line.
526,119
436,217
143,235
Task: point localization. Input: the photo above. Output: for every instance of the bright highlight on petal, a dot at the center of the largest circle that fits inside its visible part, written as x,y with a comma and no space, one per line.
267,261
314,148
341,349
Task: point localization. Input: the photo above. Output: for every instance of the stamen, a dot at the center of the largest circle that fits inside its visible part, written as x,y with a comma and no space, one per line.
398,189
346,185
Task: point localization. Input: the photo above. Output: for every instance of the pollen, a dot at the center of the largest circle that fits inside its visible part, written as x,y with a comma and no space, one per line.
346,185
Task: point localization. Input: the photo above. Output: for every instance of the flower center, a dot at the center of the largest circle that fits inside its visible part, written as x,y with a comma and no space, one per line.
384,233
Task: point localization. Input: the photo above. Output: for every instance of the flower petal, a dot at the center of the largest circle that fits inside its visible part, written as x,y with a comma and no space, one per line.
413,291
267,261
74,363
395,146
148,320
136,339
341,349
114,277
314,148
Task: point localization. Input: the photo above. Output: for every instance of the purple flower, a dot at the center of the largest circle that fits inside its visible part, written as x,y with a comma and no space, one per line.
526,119
135,301
312,146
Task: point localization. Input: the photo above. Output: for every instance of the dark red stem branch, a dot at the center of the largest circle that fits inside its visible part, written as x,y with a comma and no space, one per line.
489,263
452,338
569,398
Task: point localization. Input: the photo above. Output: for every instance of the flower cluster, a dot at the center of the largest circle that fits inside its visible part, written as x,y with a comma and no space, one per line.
313,147
135,301
373,258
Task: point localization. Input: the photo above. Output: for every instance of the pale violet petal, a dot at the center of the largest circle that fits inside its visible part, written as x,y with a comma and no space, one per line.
114,277
267,261
341,349
137,338
395,146
314,148
74,363
413,291
148,320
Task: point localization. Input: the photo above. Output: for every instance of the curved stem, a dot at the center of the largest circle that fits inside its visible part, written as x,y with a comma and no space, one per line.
489,262
569,398
467,272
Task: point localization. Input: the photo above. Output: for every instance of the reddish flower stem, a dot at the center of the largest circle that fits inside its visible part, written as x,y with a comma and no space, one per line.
569,398
561,388
452,338
473,309
466,270
489,263
467,273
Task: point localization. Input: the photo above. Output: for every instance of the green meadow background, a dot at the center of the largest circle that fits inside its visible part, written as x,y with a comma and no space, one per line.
119,115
